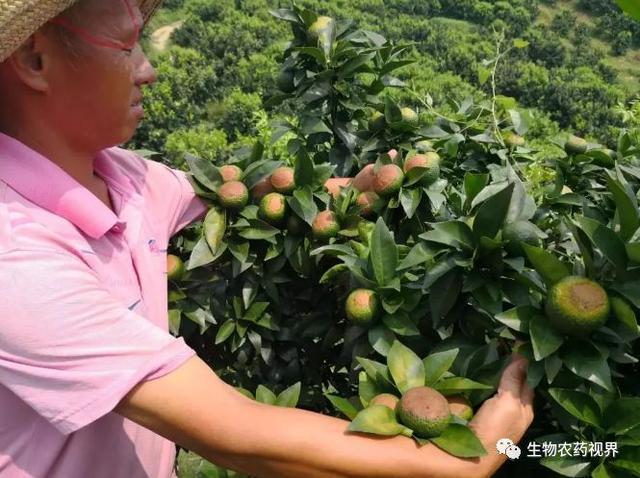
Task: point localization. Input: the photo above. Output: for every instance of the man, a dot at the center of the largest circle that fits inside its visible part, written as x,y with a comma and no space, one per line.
91,382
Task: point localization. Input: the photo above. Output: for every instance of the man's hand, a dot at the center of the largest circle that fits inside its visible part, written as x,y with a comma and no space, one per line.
507,415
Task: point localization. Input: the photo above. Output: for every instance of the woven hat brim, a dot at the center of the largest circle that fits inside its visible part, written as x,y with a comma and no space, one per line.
19,19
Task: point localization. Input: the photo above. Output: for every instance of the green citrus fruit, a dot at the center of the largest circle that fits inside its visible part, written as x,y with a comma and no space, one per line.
377,121
575,145
577,306
325,225
409,116
460,407
285,81
233,195
175,267
425,411
283,180
368,202
362,306
388,180
429,161
230,172
273,207
386,399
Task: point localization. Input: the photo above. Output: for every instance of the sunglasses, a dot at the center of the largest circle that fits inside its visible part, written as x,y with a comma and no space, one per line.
105,42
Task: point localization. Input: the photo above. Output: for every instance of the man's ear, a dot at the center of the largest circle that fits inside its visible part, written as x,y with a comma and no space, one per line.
30,61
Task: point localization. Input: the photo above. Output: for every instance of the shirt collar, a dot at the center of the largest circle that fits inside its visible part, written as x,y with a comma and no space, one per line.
44,183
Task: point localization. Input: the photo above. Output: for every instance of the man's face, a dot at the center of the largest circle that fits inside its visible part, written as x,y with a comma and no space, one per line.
96,89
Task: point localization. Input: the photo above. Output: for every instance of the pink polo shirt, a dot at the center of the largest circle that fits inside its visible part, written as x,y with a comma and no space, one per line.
83,312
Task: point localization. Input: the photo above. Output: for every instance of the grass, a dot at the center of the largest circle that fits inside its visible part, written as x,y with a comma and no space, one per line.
626,66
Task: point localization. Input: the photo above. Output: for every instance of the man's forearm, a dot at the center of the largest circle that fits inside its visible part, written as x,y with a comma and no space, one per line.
296,443
195,409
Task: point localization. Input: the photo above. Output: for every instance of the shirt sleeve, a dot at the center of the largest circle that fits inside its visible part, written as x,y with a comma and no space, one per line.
68,348
189,207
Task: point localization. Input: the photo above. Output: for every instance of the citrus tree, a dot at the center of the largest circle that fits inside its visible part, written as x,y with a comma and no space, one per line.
415,281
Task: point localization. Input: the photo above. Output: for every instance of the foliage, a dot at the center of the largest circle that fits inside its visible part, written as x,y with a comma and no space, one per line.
264,302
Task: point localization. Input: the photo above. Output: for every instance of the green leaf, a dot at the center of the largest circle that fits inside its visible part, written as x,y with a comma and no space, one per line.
368,388
459,440
215,225
630,289
602,472
313,52
552,366
392,113
344,406
333,272
544,338
333,250
225,331
586,361
204,171
579,404
483,74
384,253
418,255
255,172
290,396
630,7
568,466
518,318
401,324
627,208
239,250
264,395
379,420
405,367
607,241
303,205
550,268
259,230
628,459
633,252
444,293
622,415
174,321
491,214
450,385
625,316
255,311
378,372
410,199
313,125
473,184
200,255
381,339
520,43
353,64
303,170
451,233
436,364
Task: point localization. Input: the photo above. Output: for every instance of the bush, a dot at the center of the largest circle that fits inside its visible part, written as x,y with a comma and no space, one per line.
264,303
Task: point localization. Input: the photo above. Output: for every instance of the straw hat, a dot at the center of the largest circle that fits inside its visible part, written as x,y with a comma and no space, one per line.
19,19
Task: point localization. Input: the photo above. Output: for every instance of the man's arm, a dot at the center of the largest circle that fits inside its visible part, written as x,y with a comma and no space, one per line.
197,410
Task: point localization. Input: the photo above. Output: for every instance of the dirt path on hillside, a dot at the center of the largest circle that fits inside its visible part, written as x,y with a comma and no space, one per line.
160,38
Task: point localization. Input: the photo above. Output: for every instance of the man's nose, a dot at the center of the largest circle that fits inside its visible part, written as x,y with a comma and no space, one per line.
146,74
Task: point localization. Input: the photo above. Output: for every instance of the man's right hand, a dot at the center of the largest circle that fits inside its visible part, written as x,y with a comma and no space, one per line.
507,415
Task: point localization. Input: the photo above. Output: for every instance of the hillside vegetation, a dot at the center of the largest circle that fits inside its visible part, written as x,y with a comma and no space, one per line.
578,72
